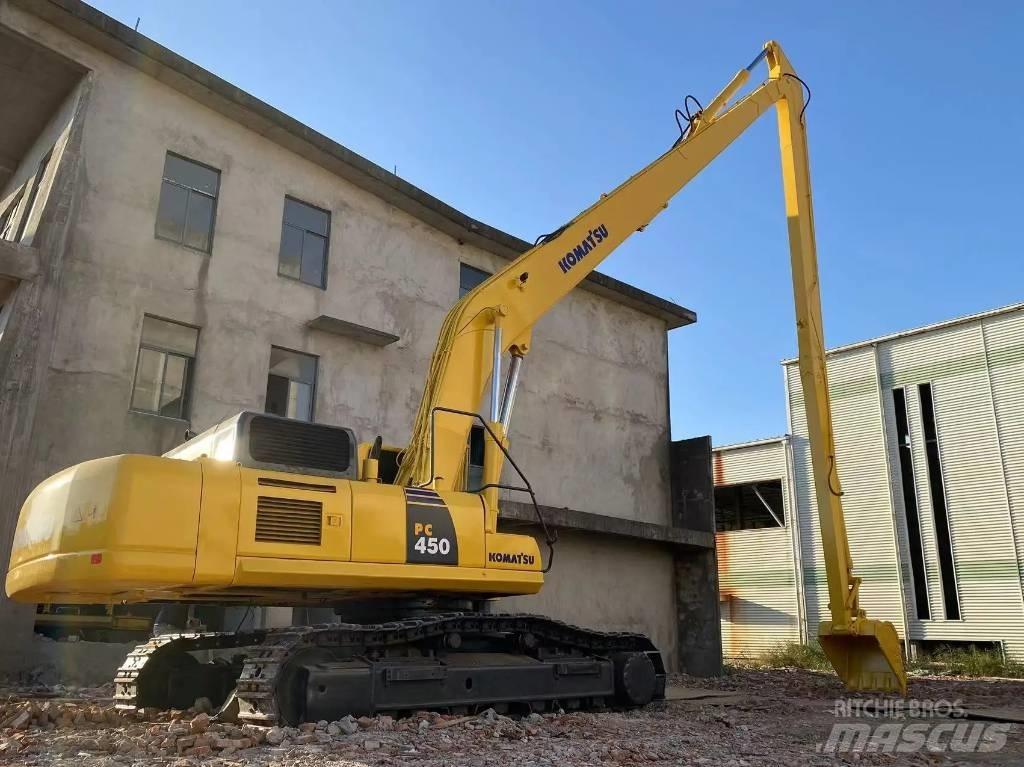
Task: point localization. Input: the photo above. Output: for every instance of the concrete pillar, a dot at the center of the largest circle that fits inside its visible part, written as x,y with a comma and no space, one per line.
696,569
25,350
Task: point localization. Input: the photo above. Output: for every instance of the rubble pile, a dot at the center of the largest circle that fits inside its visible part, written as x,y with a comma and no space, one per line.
773,719
46,732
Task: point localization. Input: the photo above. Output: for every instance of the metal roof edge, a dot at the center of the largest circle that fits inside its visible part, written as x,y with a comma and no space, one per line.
919,330
781,439
111,36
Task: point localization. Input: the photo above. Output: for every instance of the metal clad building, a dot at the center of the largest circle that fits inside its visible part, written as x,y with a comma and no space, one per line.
759,597
929,430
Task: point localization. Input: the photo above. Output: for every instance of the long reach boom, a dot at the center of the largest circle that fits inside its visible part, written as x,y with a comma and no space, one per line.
498,316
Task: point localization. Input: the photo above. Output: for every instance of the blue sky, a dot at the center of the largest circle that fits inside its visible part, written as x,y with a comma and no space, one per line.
521,113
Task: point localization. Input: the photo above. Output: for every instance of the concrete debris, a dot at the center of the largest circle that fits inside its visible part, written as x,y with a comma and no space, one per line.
773,719
201,723
346,726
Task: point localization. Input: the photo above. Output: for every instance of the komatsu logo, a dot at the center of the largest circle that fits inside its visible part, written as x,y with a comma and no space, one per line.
510,559
594,238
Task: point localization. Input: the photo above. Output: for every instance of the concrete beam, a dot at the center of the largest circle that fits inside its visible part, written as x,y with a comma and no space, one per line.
340,327
18,262
571,519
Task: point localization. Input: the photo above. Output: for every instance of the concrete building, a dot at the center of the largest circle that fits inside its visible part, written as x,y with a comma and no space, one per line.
930,451
175,250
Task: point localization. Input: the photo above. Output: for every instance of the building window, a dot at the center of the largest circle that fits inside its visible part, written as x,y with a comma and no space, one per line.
291,384
475,462
470,277
163,371
188,203
947,567
30,202
910,513
305,233
749,506
8,220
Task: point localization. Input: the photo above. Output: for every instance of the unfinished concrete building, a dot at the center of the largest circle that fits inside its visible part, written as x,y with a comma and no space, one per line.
175,251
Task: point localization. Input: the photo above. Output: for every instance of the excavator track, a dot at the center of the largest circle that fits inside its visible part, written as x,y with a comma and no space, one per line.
453,661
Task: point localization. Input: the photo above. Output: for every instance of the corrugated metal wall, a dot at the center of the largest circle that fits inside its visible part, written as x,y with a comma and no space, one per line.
964,375
863,468
976,372
756,568
1003,338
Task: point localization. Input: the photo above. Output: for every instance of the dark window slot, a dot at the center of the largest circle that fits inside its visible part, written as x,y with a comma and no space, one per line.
947,567
906,458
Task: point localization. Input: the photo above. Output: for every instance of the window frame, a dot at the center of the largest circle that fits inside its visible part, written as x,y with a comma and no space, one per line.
480,433
190,190
478,270
782,524
185,413
314,385
327,244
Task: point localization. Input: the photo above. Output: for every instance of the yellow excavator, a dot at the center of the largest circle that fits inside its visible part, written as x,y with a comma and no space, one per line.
265,510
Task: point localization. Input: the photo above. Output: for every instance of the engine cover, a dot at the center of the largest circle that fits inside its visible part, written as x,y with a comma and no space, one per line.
263,441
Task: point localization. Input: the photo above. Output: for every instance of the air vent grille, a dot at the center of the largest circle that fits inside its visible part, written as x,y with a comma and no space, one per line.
288,520
293,485
299,444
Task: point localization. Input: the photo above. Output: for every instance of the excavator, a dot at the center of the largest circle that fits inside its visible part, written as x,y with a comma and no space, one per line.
267,510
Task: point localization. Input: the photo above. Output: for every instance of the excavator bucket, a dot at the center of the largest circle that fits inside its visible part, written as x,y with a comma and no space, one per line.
867,657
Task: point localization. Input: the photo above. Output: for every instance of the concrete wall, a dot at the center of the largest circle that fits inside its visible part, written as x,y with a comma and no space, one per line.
28,319
603,390
609,584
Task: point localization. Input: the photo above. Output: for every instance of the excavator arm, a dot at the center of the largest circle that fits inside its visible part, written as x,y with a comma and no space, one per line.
497,317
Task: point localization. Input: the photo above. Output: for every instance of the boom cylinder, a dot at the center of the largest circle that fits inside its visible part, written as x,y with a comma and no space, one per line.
496,373
511,384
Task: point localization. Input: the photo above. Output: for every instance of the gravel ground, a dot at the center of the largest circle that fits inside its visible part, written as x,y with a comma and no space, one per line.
748,718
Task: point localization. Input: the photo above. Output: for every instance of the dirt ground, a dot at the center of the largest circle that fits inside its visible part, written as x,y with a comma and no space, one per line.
748,718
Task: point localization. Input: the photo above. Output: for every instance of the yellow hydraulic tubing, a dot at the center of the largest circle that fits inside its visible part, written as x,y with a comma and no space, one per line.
500,313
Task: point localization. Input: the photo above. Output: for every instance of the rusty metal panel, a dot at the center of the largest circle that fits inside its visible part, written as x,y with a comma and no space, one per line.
756,568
